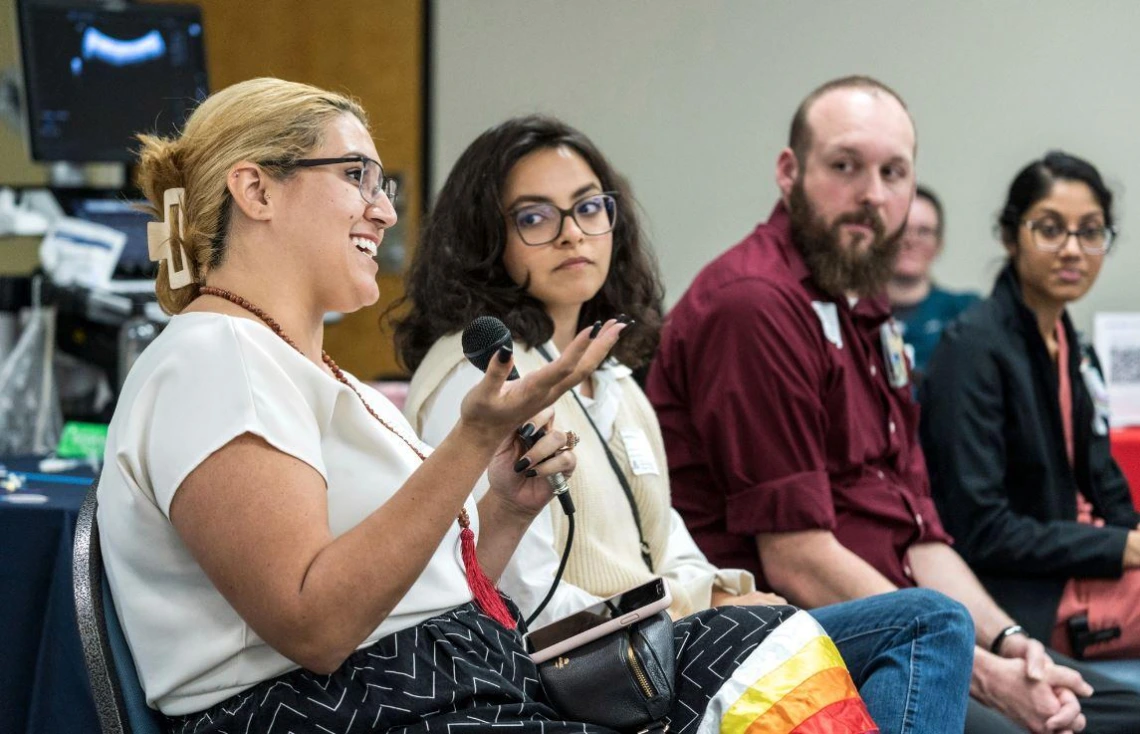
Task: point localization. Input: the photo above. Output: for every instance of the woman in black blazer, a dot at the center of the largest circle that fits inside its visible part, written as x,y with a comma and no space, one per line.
1015,426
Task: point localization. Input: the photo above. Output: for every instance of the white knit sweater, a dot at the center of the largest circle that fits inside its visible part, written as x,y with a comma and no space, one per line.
606,558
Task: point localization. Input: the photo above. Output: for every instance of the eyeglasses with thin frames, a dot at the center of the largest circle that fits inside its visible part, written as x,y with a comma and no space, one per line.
372,181
923,234
541,224
1050,236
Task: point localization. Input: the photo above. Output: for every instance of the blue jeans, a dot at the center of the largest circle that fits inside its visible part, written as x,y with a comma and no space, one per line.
910,653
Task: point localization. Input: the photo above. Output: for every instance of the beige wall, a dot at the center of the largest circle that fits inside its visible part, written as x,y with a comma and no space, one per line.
692,101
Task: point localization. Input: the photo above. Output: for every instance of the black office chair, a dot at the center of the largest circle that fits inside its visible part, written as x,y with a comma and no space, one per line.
119,698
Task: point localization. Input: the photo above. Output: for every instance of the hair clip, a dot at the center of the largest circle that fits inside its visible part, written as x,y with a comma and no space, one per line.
160,243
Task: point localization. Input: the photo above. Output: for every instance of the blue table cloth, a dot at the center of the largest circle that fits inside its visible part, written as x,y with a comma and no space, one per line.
43,682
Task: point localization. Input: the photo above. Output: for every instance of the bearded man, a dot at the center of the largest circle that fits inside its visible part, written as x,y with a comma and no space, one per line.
784,397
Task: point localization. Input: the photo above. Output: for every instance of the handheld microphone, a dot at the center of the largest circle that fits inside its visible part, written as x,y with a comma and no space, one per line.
482,338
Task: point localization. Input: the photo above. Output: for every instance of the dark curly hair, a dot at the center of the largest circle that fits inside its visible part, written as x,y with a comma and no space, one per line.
457,272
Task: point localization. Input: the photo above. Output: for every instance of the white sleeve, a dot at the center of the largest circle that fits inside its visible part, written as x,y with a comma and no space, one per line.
441,410
205,396
530,572
686,566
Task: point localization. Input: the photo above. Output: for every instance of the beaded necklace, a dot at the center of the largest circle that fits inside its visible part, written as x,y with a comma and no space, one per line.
484,592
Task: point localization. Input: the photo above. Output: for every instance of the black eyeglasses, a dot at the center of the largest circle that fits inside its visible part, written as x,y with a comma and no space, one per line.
370,177
1050,236
541,224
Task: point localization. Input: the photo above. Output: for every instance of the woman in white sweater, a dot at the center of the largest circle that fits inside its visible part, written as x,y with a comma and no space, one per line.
534,227
582,265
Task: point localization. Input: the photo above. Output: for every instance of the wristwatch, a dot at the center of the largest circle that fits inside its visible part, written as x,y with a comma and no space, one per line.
1013,629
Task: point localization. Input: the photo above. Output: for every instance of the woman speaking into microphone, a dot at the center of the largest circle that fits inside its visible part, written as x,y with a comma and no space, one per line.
283,551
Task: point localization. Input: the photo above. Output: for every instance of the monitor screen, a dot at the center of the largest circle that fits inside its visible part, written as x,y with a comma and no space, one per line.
127,217
95,77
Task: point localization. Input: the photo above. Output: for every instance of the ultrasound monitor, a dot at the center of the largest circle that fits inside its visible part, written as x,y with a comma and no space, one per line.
96,76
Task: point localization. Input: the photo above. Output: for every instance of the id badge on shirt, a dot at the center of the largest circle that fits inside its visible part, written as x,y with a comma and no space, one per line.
1098,391
640,453
894,354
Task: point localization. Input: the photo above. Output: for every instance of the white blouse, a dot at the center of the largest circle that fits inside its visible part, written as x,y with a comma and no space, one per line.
207,379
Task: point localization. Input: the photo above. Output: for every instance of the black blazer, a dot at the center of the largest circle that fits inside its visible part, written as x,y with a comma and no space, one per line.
999,472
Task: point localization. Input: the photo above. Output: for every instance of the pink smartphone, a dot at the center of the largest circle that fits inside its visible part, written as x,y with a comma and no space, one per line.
620,610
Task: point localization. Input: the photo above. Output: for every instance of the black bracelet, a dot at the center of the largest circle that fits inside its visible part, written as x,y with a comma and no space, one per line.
1013,629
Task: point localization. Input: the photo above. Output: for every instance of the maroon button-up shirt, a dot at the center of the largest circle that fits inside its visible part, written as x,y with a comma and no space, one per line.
778,414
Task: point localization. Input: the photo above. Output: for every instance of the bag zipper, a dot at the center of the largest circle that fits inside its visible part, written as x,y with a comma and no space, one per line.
638,671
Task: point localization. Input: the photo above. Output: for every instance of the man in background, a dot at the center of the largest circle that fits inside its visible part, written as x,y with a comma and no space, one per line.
921,308
784,397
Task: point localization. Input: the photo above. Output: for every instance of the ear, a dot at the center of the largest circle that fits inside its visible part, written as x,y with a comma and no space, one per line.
787,171
247,184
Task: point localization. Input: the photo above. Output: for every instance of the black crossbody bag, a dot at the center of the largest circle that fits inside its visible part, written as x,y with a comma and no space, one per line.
625,680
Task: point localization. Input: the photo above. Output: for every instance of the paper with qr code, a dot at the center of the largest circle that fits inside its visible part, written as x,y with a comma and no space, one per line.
1117,341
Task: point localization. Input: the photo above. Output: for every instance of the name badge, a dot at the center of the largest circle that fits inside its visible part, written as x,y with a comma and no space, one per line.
640,453
1098,391
894,354
829,320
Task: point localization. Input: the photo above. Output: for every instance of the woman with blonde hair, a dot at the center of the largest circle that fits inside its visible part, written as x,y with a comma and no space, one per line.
282,550
284,553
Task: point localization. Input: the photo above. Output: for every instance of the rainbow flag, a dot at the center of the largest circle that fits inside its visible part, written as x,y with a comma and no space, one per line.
793,682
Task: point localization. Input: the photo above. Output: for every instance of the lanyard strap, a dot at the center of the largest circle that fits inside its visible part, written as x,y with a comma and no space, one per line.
642,544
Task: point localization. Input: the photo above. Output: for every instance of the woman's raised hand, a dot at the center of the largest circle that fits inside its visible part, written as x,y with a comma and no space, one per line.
498,406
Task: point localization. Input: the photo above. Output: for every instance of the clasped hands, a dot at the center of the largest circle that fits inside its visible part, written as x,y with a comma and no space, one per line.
1028,687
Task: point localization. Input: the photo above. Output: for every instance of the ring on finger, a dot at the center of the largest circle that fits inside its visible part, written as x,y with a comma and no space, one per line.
571,441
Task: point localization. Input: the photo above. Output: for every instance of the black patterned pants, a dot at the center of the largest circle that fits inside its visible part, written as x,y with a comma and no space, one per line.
463,672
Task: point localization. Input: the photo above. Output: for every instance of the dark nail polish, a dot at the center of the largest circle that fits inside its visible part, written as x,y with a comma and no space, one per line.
526,430
505,353
521,464
622,318
597,328
531,473
537,435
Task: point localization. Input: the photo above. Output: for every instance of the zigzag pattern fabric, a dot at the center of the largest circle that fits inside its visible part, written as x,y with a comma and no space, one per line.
463,672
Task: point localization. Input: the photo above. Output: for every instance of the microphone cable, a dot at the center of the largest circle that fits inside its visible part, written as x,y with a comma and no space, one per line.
558,574
568,507
482,339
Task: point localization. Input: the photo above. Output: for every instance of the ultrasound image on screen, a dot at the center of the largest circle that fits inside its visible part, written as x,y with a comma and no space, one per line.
96,77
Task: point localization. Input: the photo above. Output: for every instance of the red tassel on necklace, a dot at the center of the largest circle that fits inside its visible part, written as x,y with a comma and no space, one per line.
486,596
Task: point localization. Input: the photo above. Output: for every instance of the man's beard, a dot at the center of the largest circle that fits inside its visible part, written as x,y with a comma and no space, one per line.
839,270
